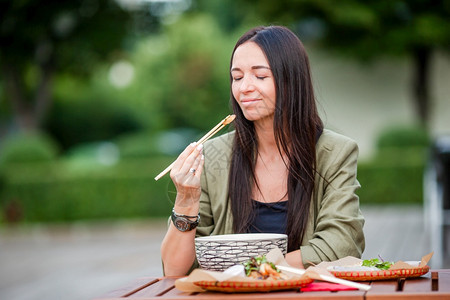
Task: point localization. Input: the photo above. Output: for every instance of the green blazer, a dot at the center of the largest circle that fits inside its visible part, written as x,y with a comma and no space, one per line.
335,227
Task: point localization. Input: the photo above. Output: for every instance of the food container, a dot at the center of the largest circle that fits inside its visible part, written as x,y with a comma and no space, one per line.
219,252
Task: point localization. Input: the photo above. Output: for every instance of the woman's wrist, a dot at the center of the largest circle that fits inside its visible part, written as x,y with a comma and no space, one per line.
187,201
189,207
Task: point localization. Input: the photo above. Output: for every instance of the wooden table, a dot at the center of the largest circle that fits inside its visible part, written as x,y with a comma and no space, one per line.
434,285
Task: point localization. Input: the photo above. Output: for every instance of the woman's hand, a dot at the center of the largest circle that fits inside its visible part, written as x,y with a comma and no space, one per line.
186,173
294,259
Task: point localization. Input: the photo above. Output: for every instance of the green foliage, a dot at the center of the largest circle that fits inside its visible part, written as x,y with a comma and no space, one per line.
364,29
395,174
27,147
254,265
71,35
90,119
44,39
402,145
146,144
136,145
181,76
390,184
180,80
403,137
200,86
81,186
406,156
229,14
368,30
377,263
67,193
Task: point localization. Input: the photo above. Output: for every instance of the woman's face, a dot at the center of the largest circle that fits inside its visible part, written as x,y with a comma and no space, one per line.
253,85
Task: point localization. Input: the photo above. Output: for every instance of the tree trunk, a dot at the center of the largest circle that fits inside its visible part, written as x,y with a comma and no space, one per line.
43,96
421,74
15,94
28,115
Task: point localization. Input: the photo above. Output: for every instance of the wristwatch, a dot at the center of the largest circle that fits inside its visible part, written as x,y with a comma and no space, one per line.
183,222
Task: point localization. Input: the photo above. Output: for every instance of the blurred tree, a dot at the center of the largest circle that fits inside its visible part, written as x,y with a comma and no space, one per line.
181,75
228,14
370,29
40,39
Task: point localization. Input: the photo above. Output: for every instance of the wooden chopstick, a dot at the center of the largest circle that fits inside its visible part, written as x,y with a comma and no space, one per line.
166,170
211,132
228,119
360,286
205,138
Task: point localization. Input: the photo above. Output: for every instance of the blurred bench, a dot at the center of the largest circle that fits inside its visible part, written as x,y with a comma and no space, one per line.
437,201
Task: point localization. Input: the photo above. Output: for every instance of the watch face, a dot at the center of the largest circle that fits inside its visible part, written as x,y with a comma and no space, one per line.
181,224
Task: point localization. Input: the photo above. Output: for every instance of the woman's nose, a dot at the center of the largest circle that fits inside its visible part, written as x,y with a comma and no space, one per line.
247,84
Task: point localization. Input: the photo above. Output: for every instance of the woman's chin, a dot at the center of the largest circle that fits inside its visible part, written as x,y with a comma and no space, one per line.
256,116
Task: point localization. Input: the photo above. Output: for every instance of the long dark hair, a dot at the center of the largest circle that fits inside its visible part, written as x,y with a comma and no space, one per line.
296,128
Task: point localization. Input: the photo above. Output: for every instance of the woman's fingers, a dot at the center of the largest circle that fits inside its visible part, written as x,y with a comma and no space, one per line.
189,162
186,175
187,165
198,165
182,157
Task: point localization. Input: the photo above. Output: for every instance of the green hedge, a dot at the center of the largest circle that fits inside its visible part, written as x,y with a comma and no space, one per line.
395,174
27,147
53,192
79,187
403,137
390,184
56,192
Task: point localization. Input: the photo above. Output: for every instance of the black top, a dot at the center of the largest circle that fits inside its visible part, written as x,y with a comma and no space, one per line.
269,217
272,217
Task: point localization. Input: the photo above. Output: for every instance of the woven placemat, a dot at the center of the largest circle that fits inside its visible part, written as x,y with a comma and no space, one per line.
253,286
381,274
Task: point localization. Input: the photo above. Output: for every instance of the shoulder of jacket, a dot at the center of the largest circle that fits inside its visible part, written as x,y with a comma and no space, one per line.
221,144
330,140
224,139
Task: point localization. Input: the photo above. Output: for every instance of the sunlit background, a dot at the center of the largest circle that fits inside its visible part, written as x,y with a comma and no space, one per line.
98,96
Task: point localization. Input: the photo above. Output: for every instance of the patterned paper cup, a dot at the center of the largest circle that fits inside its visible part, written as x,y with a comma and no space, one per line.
219,252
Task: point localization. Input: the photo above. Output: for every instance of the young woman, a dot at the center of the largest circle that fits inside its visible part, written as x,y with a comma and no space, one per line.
279,171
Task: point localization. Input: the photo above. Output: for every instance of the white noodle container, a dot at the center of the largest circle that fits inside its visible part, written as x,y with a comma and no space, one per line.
219,252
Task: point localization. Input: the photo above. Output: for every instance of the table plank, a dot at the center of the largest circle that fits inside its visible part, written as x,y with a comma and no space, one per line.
283,295
164,289
157,289
382,287
177,294
422,284
444,281
130,288
413,288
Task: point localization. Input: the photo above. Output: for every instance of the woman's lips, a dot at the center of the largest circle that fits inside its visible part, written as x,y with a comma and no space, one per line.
249,101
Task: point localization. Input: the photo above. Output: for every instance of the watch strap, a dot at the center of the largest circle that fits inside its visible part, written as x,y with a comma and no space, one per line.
183,223
185,216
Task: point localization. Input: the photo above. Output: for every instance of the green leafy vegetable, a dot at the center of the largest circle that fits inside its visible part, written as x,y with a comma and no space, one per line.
254,264
377,263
